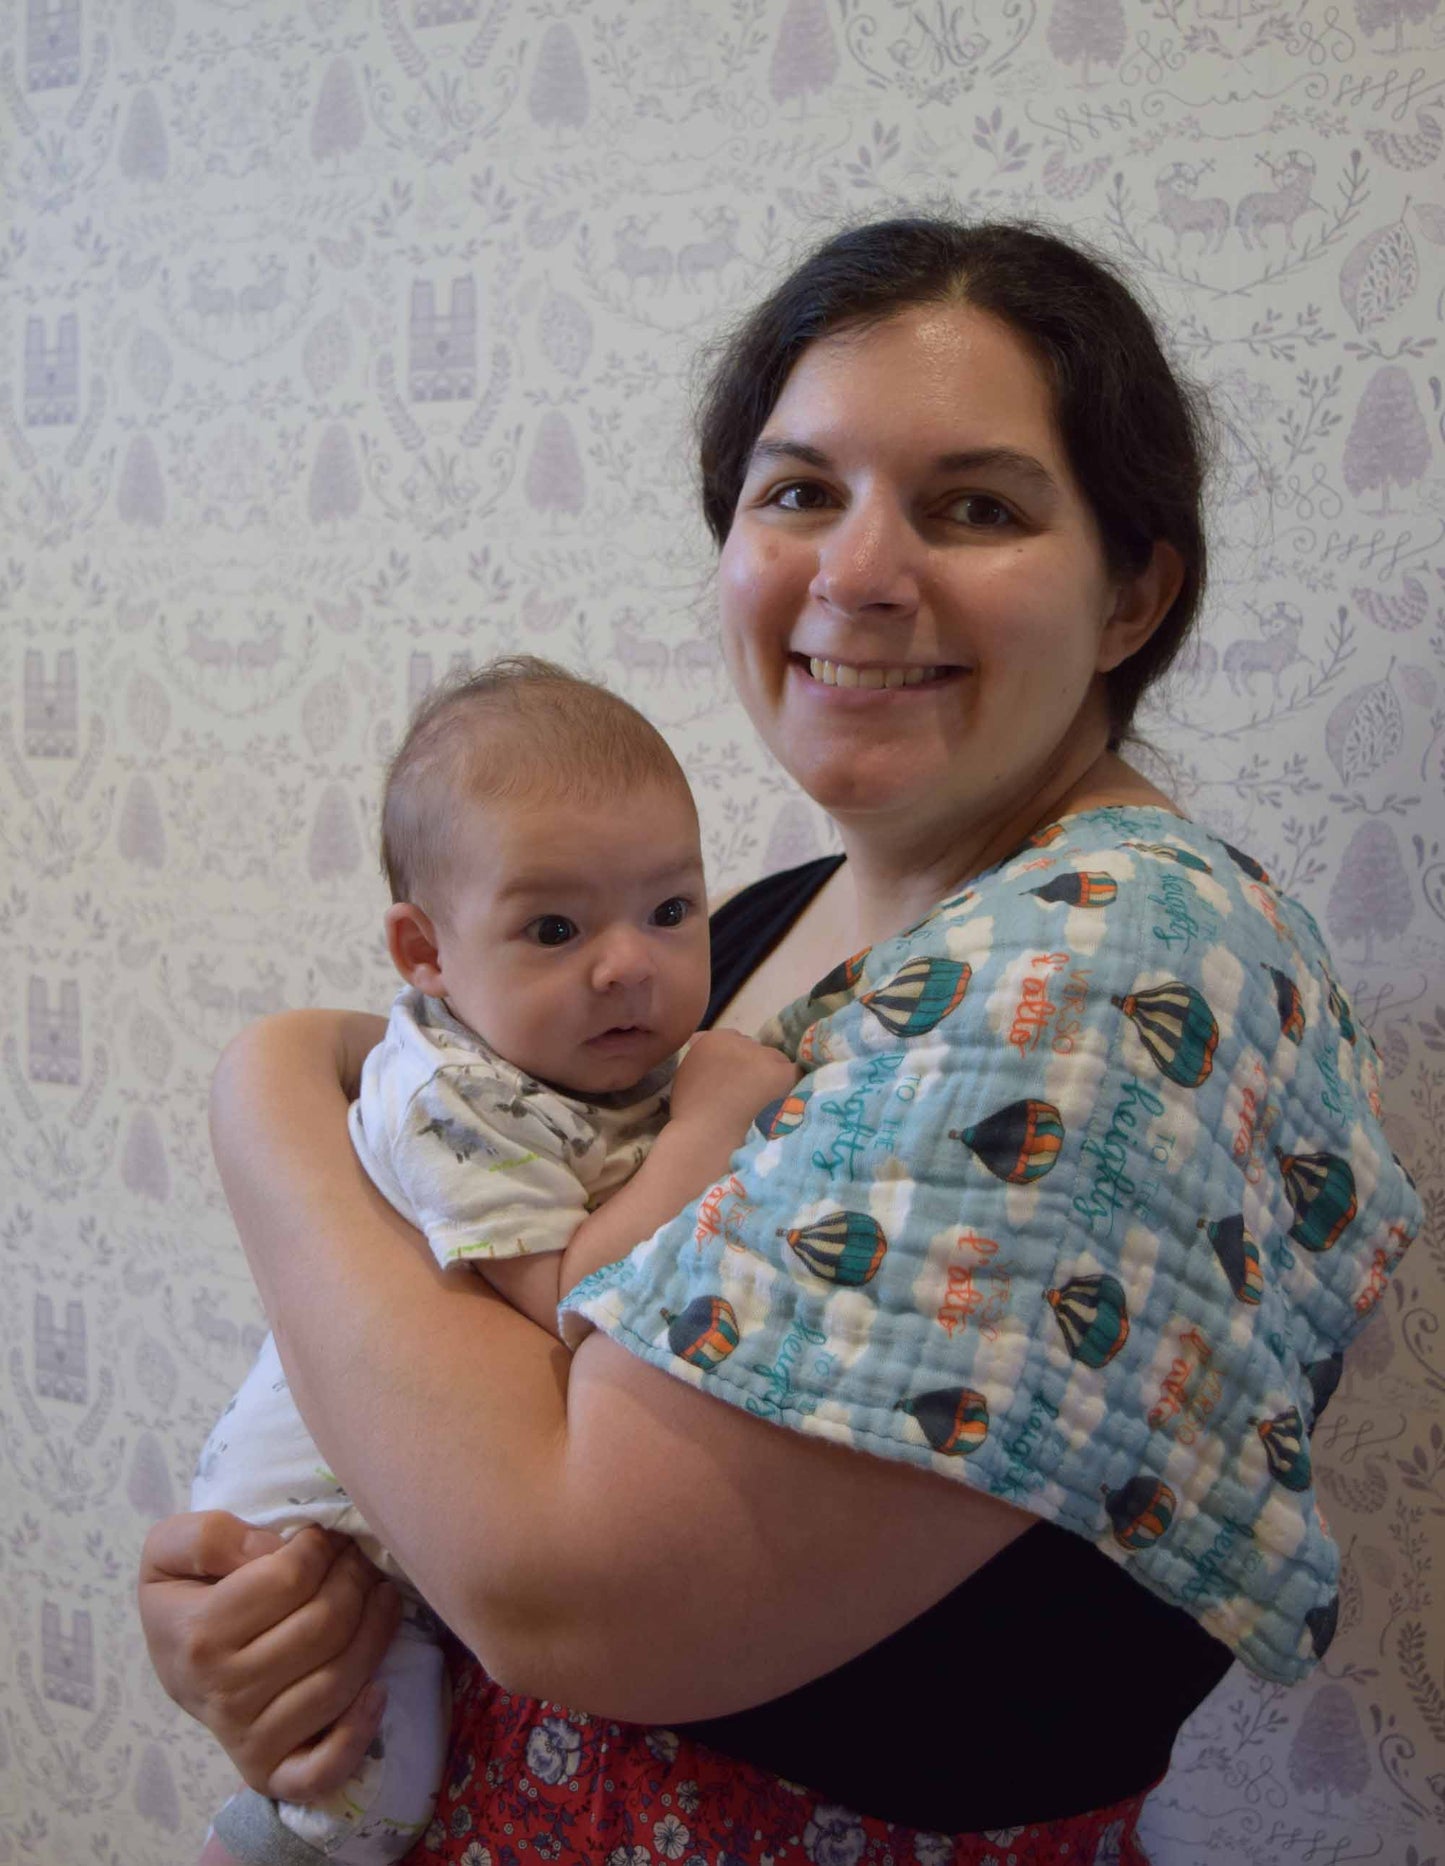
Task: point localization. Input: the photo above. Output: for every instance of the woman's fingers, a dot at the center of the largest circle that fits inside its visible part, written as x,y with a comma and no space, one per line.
201,1631
275,1650
312,1586
322,1767
192,1568
310,1737
326,1648
319,1768
202,1546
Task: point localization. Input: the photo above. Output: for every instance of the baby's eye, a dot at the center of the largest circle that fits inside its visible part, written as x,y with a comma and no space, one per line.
981,510
552,930
672,912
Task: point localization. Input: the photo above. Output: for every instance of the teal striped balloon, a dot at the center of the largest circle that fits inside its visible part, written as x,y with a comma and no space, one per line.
1287,1447
1177,1028
1321,1188
1093,1316
918,998
844,1247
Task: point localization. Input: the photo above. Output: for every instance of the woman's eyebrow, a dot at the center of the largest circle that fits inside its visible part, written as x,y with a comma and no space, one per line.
789,450
969,460
998,459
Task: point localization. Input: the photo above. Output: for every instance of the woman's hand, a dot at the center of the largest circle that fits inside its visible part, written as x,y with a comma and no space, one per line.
725,1078
270,1644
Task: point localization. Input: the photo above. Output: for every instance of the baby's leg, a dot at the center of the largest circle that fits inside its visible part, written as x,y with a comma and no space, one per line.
260,1463
377,1816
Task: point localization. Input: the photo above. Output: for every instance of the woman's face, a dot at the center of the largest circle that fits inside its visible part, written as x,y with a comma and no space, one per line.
915,606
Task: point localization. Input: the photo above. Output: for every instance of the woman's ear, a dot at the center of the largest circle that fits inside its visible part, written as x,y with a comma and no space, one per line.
1141,603
412,942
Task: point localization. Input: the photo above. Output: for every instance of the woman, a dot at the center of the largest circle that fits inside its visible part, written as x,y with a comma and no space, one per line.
956,490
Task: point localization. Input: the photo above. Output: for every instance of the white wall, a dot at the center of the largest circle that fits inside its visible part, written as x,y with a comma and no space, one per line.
243,514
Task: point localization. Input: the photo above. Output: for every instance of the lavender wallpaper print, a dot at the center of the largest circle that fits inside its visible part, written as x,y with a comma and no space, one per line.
343,341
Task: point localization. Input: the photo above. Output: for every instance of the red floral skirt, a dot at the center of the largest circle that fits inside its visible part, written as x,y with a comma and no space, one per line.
532,1781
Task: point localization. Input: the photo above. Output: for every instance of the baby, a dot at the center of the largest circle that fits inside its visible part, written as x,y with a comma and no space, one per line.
549,920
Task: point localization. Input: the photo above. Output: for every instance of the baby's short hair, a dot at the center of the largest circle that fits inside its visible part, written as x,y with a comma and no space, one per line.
516,727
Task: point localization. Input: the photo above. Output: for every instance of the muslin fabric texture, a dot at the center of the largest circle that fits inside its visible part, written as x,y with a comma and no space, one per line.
1080,1200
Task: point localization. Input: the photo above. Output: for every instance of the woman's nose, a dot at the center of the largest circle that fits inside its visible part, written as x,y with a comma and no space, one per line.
867,562
624,959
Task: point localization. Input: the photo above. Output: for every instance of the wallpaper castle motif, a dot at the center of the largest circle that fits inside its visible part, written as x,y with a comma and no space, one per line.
344,340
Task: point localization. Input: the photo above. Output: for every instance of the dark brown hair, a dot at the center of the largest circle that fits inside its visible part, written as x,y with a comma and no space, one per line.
1132,432
516,727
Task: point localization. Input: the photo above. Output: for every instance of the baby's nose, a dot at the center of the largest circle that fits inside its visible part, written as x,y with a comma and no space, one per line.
623,960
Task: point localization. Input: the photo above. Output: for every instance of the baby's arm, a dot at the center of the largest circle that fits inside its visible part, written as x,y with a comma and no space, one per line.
530,1284
721,1084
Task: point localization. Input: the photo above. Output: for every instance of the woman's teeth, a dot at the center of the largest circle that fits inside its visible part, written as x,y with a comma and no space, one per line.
840,674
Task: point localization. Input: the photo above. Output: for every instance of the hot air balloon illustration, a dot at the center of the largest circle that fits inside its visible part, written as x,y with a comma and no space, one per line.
1186,858
1177,1028
1140,1511
1287,1447
783,1115
844,1247
1323,1377
1238,1256
1019,1143
1322,1622
1246,862
954,1419
842,977
920,996
1041,838
1340,1011
1321,1188
1079,887
705,1333
1093,1316
1290,1005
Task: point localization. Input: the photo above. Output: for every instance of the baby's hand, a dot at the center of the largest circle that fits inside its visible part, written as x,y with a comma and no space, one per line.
725,1078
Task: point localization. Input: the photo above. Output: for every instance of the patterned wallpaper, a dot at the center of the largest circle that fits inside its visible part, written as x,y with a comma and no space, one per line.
340,340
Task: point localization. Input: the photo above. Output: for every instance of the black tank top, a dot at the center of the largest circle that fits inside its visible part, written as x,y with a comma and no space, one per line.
1046,1684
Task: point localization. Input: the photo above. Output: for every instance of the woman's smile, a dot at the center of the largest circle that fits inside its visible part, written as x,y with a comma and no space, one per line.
872,676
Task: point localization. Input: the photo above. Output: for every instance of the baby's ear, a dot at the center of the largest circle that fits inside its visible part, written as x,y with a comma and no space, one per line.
412,942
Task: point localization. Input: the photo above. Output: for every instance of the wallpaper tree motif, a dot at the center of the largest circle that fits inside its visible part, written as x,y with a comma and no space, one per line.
341,340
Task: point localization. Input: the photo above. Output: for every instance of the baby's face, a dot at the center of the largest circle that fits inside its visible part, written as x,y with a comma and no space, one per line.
575,938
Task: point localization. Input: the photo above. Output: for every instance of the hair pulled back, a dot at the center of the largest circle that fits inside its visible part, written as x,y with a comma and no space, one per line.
1133,434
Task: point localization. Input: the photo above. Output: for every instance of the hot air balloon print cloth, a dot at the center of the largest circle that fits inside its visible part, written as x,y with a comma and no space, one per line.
1080,1200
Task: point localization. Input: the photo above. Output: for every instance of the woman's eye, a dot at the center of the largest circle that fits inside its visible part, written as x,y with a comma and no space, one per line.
672,912
981,510
553,930
799,496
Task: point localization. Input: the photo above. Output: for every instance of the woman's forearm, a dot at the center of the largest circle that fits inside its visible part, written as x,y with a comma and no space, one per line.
382,1355
594,1528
